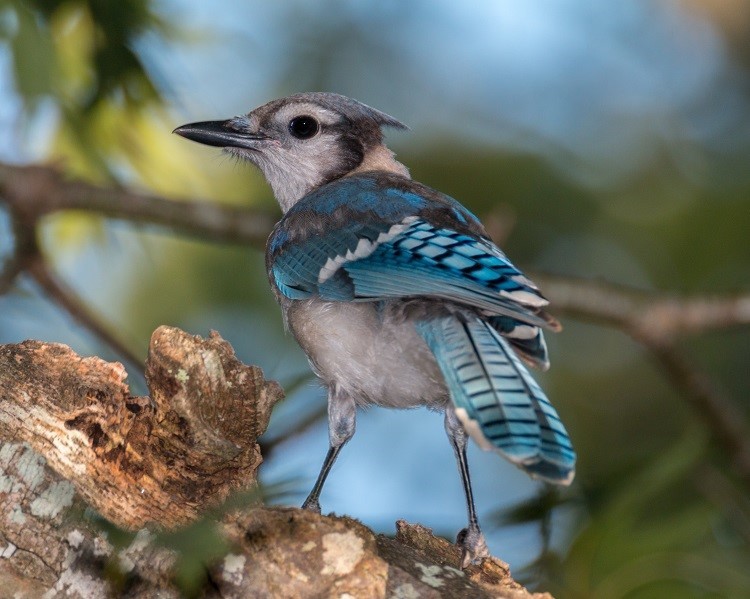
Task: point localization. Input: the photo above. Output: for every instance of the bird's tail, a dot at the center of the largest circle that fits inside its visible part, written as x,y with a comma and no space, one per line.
500,405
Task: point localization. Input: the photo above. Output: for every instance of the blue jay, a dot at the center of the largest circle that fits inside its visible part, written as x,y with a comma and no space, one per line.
395,291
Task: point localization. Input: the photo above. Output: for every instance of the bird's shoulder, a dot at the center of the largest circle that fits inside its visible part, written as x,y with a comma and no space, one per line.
374,199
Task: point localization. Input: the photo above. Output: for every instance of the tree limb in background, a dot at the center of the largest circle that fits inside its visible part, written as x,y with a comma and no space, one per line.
657,317
36,191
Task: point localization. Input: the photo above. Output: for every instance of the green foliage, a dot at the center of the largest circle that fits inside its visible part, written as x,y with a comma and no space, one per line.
33,55
79,57
105,33
672,526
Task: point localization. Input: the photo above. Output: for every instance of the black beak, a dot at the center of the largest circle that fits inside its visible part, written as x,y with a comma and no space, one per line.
222,134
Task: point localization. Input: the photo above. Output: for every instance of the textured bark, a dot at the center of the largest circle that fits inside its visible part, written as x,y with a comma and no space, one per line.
288,552
137,460
73,438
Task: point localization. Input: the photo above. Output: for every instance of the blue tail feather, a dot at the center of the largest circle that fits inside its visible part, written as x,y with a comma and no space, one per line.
500,404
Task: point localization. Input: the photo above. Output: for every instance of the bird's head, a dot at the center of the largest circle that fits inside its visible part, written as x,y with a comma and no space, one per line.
303,141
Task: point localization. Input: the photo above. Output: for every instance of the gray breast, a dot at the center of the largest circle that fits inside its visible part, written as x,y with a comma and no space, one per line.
370,350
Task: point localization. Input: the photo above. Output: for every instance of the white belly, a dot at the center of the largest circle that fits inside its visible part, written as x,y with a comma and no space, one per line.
374,355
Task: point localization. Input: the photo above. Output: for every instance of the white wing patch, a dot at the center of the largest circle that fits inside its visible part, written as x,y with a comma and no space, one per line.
524,297
523,280
364,248
522,331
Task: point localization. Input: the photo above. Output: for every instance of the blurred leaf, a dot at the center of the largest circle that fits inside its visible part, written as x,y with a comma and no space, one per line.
117,27
198,545
632,534
33,55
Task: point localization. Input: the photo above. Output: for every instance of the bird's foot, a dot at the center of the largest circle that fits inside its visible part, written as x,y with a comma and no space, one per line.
312,504
472,544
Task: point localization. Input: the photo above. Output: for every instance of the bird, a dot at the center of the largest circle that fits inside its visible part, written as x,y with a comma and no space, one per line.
395,291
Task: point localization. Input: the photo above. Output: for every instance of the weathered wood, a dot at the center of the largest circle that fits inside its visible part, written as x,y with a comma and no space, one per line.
132,459
73,438
288,552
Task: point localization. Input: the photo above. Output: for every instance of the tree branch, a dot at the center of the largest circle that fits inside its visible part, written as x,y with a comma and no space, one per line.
655,316
300,428
139,460
72,436
36,191
25,249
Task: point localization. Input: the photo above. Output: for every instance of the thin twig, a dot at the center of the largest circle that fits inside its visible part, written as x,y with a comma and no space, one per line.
24,250
298,429
11,268
718,412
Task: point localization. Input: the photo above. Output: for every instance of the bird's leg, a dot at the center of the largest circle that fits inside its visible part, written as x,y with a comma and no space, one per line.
470,539
342,418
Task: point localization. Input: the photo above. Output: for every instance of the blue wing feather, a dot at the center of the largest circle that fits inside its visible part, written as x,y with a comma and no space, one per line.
405,254
439,262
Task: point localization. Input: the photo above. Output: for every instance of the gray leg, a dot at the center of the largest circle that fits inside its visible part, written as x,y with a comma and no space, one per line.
470,539
342,419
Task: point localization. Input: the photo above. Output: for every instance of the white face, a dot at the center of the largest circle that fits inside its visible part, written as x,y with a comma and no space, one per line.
303,147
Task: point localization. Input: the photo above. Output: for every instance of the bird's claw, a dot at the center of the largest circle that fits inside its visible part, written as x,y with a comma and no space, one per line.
311,504
473,546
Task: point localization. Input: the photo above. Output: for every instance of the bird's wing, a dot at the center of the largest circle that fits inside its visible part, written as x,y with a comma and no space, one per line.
414,252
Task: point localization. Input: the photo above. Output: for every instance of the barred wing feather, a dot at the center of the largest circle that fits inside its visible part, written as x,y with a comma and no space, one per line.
407,259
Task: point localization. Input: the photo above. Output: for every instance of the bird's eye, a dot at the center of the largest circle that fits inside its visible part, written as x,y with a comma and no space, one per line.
303,127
